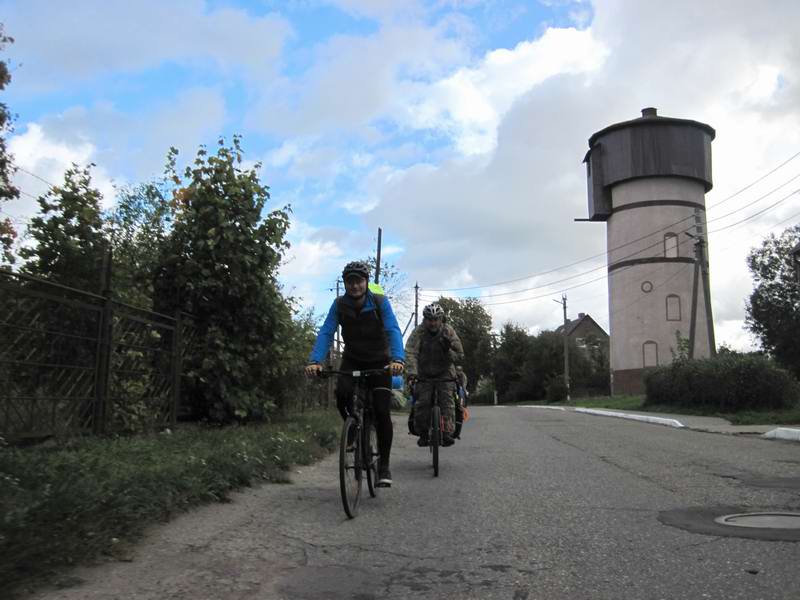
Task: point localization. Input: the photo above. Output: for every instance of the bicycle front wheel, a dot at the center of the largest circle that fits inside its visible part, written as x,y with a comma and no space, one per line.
370,446
436,437
350,466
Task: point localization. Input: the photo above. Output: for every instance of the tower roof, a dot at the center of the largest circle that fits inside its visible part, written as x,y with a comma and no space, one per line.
650,117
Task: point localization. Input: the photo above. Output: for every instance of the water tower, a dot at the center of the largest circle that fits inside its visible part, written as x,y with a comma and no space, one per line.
647,180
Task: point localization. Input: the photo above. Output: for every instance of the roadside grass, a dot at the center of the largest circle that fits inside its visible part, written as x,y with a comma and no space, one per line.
790,416
90,497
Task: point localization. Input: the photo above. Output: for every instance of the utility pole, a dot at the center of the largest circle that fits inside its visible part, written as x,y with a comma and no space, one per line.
416,303
563,303
378,259
712,344
701,271
695,282
494,376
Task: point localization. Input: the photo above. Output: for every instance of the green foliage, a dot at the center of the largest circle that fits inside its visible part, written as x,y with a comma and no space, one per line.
773,310
62,506
139,225
612,402
68,234
556,390
473,325
727,383
7,191
509,359
525,365
220,264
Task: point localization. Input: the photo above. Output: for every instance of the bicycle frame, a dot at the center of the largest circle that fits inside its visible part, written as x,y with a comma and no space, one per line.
356,441
435,429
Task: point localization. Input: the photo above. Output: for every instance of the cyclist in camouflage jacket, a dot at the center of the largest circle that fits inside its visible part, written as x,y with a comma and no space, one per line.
432,352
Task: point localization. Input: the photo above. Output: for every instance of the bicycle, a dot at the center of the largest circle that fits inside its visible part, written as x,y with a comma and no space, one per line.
436,422
358,445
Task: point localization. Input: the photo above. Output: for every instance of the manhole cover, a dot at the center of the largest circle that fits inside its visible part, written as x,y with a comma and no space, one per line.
751,522
770,520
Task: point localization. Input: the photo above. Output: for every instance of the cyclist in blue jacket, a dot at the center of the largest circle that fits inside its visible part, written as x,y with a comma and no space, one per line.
372,340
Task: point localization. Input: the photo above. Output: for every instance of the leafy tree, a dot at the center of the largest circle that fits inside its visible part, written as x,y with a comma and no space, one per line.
474,326
509,358
525,366
7,191
68,249
69,236
220,264
139,226
773,309
545,363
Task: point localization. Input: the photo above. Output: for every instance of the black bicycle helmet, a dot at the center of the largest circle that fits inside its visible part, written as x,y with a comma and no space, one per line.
357,267
433,311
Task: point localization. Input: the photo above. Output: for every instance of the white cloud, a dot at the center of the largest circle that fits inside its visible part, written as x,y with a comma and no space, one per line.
356,80
391,251
470,103
513,214
473,163
136,143
44,159
379,9
94,37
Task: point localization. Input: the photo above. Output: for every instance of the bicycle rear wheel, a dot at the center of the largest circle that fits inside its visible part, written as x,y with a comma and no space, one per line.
436,437
371,456
350,467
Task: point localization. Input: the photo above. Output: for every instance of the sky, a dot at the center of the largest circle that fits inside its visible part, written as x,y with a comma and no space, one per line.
456,126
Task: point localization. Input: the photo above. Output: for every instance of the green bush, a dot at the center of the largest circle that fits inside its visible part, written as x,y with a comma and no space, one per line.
727,383
556,390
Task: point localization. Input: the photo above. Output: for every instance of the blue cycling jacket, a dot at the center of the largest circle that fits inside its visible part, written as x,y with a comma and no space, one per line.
328,330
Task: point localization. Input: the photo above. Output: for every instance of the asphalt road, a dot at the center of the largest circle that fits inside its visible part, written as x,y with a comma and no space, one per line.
532,503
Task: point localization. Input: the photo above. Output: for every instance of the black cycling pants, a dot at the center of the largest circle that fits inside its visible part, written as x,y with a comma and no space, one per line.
381,403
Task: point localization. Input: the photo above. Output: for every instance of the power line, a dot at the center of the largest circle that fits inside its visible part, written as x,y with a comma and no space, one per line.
532,276
13,219
603,266
659,242
550,294
762,178
39,177
767,231
762,211
655,287
759,199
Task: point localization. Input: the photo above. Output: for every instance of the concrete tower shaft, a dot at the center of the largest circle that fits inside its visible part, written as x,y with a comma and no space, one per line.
647,179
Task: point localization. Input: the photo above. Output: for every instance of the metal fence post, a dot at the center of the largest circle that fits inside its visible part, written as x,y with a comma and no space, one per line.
103,365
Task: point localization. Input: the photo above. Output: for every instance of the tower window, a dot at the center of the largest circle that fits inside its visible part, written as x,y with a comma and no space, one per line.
649,354
673,307
670,245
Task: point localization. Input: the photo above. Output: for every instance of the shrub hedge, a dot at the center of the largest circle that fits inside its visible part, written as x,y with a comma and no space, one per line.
727,383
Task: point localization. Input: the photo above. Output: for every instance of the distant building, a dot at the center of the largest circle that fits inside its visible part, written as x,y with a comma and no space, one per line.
584,331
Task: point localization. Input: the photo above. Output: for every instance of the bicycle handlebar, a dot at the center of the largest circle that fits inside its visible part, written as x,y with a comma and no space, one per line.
448,380
354,374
